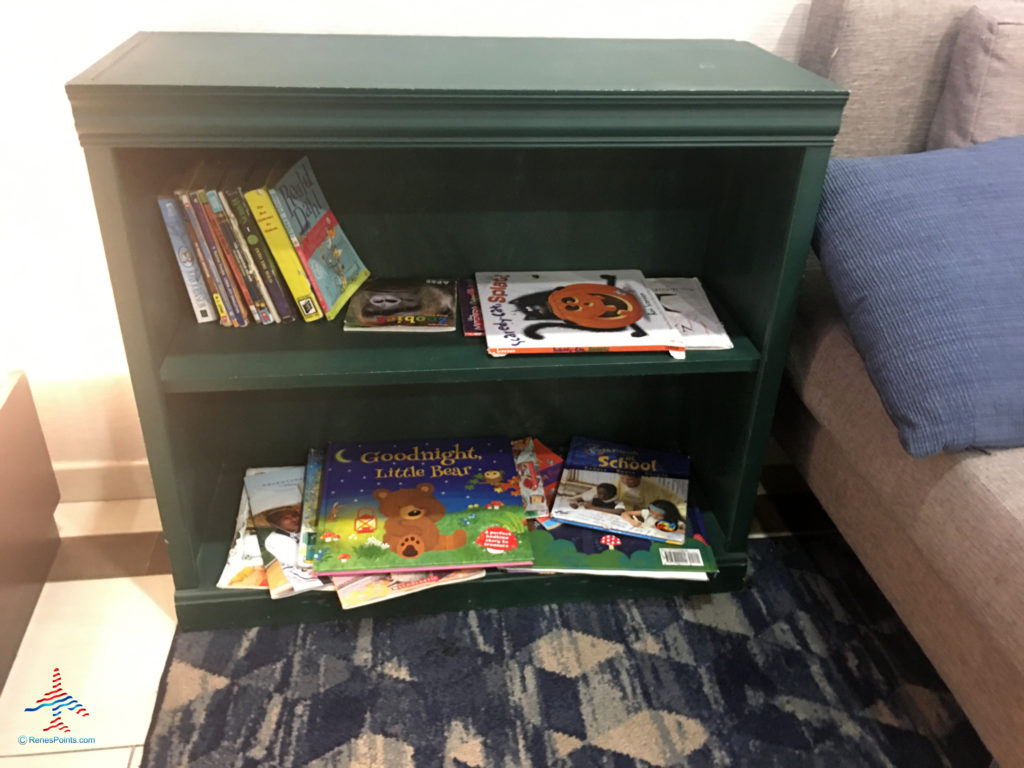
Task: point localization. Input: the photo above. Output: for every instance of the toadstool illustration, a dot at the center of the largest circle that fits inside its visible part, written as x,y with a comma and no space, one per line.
344,556
611,541
495,505
497,540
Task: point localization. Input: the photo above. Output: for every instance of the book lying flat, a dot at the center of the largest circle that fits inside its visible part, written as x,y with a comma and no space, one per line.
402,305
356,591
688,308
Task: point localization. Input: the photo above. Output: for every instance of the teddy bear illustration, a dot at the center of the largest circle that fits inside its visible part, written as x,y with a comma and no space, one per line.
411,516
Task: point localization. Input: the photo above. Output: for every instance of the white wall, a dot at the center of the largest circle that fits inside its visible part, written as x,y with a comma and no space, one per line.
61,324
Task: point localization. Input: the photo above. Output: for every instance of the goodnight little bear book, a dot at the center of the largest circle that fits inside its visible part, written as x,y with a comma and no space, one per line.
419,505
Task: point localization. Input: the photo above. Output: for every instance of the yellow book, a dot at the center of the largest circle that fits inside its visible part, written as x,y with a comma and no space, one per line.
283,251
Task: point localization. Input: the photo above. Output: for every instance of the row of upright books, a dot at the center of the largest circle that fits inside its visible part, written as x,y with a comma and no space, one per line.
376,520
259,245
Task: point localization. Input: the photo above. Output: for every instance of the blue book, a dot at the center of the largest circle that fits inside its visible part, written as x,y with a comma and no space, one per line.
188,260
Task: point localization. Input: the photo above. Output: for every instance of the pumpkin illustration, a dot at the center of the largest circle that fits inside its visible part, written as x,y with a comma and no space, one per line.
593,305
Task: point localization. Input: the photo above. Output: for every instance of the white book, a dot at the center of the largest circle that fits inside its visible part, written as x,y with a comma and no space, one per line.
687,307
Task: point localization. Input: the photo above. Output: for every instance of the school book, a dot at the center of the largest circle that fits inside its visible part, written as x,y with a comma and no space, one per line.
624,489
418,505
688,308
564,548
243,568
571,312
357,591
188,261
332,265
395,304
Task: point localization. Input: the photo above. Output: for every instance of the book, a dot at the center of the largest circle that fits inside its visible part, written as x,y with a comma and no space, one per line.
332,265
624,489
548,463
531,477
243,568
275,505
357,591
418,505
188,260
564,548
572,312
469,306
402,305
232,297
310,507
238,260
257,197
688,309
210,274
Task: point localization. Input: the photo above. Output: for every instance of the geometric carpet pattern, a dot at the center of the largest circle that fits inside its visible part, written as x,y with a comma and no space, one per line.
806,666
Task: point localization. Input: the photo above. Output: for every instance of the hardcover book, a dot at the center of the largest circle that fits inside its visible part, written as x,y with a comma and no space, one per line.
402,305
416,505
688,309
188,260
332,265
623,489
560,312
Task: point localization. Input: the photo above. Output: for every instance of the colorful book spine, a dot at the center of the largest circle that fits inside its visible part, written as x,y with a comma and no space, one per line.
188,261
215,213
239,261
265,266
232,299
280,245
310,506
210,273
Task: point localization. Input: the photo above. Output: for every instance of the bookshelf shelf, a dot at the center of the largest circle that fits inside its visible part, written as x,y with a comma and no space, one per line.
674,157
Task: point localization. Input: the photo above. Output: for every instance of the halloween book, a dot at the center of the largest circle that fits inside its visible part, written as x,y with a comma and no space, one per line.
570,312
624,490
402,305
419,505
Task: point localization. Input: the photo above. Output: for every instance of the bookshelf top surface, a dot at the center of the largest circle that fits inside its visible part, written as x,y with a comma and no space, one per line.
400,64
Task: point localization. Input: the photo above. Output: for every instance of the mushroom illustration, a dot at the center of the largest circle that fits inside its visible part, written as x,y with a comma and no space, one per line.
611,541
344,557
330,536
495,505
497,540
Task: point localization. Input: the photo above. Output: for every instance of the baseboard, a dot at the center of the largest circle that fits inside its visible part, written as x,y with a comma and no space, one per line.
103,480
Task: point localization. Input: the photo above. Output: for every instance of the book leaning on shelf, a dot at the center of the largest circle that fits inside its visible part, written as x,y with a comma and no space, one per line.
188,261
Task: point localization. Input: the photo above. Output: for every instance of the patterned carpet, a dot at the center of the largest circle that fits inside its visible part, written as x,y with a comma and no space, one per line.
807,667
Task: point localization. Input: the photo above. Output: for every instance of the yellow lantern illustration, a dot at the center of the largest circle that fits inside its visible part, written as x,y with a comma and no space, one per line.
366,521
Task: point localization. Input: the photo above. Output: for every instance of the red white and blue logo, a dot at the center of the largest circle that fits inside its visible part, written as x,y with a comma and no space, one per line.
58,701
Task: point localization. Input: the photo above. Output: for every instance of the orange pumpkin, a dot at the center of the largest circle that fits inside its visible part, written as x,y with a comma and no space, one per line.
593,305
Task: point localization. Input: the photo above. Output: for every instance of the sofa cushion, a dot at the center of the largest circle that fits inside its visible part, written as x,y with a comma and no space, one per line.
925,254
983,96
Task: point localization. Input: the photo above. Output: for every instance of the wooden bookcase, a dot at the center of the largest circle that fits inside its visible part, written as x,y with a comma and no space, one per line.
444,156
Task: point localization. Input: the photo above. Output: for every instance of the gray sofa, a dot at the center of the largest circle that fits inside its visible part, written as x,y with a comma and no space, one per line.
942,536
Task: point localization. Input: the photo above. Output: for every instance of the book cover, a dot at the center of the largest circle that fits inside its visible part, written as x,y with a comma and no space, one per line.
257,197
572,312
332,265
624,489
688,309
469,306
238,260
417,505
210,273
563,548
388,304
188,261
533,485
243,568
275,503
357,591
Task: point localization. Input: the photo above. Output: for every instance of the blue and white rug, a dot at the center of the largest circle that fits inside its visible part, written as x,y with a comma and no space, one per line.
808,666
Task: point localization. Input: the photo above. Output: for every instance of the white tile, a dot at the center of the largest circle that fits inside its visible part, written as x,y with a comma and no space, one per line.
96,758
136,759
99,518
109,638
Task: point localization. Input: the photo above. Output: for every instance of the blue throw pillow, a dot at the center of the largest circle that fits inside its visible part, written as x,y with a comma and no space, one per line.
925,254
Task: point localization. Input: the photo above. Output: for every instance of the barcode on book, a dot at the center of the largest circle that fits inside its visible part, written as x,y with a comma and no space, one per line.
681,557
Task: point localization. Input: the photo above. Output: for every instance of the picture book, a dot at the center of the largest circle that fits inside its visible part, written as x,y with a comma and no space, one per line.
563,548
469,306
567,312
310,507
332,265
275,506
402,305
536,486
188,261
548,464
418,505
623,489
687,307
357,591
243,568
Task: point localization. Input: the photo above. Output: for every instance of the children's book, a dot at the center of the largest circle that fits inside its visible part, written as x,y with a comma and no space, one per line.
624,489
469,306
310,508
539,468
243,568
555,312
332,265
356,591
275,504
402,305
188,260
418,505
688,308
572,549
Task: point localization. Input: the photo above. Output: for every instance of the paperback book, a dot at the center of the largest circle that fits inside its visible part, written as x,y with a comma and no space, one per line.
688,308
469,307
357,591
243,568
624,489
418,505
568,312
402,305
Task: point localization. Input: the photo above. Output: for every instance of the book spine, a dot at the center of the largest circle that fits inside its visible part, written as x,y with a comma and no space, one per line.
188,261
264,262
230,292
677,352
296,242
213,281
281,248
245,274
245,254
